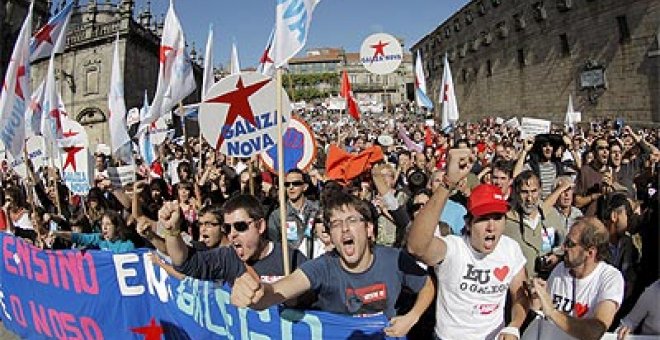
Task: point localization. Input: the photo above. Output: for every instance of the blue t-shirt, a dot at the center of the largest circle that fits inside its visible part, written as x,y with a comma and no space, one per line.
96,240
371,292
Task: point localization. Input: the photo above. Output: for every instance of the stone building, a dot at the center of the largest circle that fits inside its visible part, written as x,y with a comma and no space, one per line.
83,70
524,58
391,89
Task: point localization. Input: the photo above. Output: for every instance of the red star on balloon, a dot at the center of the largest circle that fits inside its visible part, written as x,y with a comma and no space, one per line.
163,53
44,34
151,332
238,103
71,156
380,49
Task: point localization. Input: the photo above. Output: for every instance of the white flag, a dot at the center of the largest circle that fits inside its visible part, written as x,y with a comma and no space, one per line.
448,98
121,143
51,120
209,78
292,20
175,76
16,92
235,65
420,85
266,66
34,111
51,38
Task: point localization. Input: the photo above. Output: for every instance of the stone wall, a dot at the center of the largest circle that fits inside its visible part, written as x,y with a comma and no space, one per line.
524,58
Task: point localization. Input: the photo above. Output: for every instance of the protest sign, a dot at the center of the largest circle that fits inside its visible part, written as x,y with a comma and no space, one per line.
239,116
381,53
36,149
299,148
121,176
101,295
530,127
76,166
512,123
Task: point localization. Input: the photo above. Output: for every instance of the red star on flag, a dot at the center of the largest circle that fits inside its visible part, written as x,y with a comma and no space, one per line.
71,156
238,103
19,75
44,34
151,332
379,49
163,53
69,134
264,57
55,113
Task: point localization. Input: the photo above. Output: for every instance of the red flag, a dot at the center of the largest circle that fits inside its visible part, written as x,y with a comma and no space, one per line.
346,92
344,167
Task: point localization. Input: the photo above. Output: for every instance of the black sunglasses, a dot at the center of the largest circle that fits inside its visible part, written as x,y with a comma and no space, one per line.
239,226
293,184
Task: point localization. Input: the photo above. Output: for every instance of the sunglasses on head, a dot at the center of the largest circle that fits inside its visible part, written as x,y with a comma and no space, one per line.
239,226
293,184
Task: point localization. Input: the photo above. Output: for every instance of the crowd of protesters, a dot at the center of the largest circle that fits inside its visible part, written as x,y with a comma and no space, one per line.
466,232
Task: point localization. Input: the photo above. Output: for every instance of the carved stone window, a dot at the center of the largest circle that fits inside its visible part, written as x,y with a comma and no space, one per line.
486,38
474,46
457,25
564,5
502,29
540,13
495,2
468,17
463,50
447,32
519,21
481,8
92,75
90,116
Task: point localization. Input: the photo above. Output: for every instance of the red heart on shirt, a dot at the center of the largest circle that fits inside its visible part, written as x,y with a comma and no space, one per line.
581,310
501,273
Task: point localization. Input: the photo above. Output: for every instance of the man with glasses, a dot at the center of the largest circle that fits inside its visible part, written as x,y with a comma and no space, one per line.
475,271
583,293
245,226
356,278
300,213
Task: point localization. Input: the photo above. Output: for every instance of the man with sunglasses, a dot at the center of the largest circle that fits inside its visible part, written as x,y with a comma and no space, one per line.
475,271
300,212
583,293
245,225
356,278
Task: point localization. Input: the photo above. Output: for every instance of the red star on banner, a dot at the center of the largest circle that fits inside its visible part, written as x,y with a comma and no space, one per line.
445,94
151,332
44,34
19,75
71,156
380,49
163,53
238,103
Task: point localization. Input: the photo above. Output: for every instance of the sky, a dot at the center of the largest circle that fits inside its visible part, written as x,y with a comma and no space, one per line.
335,23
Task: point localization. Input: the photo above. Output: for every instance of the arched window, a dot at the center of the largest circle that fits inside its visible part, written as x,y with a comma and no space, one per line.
90,116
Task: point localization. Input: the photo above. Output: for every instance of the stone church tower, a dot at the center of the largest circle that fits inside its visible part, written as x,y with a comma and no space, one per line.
83,70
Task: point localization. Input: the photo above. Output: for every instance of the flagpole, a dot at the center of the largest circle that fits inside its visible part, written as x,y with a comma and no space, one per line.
30,179
251,174
280,174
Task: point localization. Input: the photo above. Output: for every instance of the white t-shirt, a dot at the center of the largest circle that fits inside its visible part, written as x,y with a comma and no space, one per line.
472,288
604,283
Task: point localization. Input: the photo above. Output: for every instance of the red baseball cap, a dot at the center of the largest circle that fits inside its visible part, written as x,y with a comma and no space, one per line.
487,199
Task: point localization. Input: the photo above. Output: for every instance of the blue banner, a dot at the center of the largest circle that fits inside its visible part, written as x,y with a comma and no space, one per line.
100,295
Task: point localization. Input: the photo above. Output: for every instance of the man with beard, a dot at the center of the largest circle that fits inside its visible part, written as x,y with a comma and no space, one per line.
594,179
528,224
245,225
356,278
583,293
300,213
477,270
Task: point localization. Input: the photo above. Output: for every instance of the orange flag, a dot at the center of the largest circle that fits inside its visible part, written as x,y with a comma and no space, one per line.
346,92
343,166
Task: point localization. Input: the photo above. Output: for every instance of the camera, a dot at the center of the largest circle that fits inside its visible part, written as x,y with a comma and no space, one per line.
417,180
